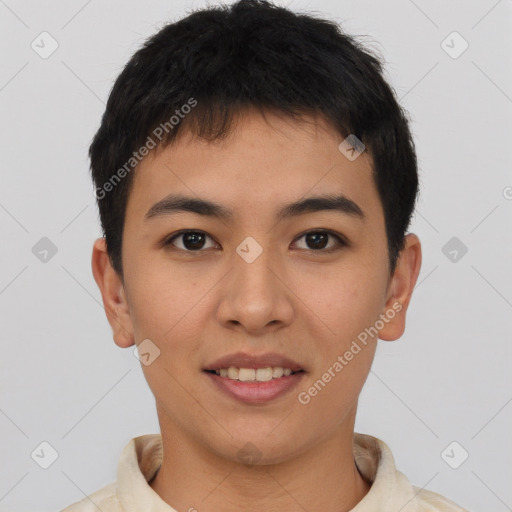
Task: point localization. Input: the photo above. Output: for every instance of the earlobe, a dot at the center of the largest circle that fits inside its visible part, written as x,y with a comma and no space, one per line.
400,289
113,295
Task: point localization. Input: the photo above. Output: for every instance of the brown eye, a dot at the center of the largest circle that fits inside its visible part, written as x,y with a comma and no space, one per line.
191,240
318,241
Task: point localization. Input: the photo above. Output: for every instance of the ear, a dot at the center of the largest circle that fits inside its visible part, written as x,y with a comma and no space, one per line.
114,298
400,289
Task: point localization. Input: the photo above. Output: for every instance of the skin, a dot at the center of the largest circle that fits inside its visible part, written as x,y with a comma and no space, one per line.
293,299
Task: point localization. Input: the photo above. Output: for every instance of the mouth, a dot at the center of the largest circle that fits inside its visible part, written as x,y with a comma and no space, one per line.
267,365
264,374
254,379
254,392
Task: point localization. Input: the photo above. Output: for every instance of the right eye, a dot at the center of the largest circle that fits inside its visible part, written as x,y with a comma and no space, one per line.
192,241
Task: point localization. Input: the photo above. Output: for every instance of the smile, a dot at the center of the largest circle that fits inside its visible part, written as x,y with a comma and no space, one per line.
254,374
249,388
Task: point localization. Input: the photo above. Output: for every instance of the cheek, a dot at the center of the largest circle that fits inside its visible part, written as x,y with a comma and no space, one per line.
332,394
345,352
165,310
348,305
169,308
159,296
346,301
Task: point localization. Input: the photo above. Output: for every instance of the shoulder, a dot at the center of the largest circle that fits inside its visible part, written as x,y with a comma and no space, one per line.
104,499
429,501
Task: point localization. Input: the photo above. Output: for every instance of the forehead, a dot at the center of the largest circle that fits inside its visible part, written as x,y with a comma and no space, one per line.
263,164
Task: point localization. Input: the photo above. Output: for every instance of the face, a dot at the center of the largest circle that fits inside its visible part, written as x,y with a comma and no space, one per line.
304,284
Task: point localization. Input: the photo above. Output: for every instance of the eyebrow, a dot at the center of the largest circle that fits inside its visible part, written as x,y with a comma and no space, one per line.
173,203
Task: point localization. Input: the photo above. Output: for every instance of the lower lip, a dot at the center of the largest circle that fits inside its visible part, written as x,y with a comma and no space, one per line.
254,392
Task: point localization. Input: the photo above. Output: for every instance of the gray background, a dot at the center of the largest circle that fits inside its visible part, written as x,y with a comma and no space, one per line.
64,381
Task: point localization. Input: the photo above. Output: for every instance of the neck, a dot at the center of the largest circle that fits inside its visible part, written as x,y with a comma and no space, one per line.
323,477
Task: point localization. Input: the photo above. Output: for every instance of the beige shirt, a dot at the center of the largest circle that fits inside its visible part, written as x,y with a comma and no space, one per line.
391,491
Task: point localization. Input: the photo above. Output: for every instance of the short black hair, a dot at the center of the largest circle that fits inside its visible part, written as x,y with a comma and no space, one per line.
200,71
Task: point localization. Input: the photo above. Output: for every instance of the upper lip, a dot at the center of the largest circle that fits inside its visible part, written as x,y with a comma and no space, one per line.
244,360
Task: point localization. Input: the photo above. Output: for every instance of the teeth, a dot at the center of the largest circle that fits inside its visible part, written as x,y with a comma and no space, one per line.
250,374
277,372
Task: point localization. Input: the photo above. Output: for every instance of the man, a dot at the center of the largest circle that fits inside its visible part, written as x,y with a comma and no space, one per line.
255,178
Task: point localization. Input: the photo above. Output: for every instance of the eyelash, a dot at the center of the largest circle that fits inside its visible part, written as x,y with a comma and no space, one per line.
341,242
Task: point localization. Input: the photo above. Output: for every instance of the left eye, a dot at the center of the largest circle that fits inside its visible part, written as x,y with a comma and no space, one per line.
193,241
319,240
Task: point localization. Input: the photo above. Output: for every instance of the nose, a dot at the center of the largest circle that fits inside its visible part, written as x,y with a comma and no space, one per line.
256,296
